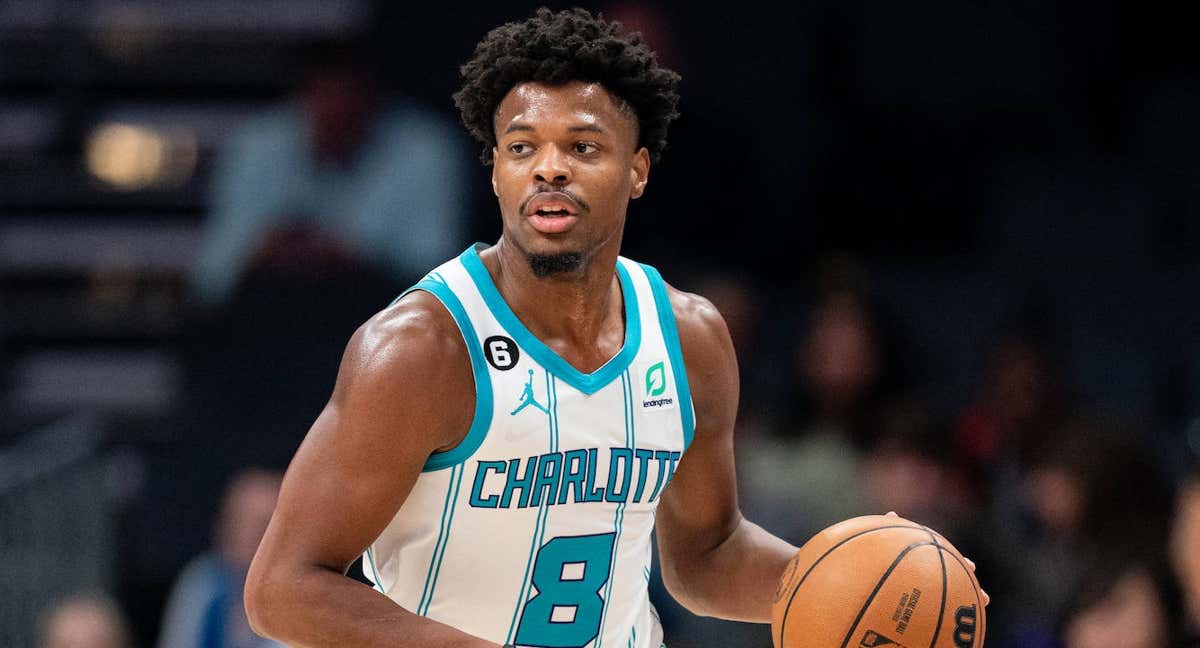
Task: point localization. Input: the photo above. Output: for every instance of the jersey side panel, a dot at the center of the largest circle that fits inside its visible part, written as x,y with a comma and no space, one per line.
482,561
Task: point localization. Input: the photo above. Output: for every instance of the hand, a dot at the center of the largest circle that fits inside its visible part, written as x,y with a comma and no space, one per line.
970,565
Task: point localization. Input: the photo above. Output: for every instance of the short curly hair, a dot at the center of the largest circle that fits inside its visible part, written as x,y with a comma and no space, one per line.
558,47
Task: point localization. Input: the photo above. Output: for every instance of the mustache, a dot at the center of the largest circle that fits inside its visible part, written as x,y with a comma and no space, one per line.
548,188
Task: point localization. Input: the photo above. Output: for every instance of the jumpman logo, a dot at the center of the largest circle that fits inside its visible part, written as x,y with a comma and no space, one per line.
527,398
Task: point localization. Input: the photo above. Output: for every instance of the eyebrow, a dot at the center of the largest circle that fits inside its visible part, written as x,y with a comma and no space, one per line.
588,128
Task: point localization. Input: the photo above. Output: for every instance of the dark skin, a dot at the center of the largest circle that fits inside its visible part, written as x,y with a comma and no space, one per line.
366,449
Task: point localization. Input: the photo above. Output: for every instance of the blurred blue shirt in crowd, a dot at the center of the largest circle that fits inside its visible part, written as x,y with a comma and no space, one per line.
205,608
396,198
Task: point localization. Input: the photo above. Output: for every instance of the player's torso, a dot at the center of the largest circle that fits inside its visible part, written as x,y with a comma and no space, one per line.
535,530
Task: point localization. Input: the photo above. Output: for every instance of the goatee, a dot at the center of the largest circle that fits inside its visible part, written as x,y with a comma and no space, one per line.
545,265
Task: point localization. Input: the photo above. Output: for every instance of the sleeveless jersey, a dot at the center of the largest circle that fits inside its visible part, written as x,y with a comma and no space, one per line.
535,529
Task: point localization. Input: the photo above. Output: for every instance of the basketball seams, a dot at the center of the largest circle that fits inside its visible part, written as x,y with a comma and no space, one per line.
878,586
788,608
936,540
982,622
941,608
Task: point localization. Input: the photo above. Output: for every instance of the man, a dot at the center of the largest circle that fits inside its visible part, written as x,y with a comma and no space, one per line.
502,439
205,609
339,175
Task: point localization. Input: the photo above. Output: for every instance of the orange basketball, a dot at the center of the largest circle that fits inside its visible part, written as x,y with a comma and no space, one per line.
878,580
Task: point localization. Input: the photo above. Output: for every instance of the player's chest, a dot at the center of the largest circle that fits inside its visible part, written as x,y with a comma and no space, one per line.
551,443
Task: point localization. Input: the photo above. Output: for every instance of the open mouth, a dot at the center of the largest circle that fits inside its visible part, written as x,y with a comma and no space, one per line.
553,212
552,204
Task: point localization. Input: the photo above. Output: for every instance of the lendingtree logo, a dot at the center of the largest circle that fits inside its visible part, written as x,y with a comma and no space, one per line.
656,386
656,380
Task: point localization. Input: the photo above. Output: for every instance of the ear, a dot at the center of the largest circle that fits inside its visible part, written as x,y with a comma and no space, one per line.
495,189
639,172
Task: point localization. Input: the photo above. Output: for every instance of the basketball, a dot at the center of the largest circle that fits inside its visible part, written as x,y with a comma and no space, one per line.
878,580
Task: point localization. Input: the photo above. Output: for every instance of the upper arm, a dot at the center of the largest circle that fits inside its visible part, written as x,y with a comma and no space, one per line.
365,451
699,509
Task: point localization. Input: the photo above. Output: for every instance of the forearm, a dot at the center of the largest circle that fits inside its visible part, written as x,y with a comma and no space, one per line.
320,607
734,580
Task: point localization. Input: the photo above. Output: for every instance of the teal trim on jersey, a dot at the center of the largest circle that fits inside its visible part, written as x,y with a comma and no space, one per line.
533,546
666,321
449,527
544,355
374,572
539,528
439,545
619,516
483,381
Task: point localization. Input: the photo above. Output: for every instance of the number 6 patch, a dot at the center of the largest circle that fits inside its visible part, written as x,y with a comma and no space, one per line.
502,353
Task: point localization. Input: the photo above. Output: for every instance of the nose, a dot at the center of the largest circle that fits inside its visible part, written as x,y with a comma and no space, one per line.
552,166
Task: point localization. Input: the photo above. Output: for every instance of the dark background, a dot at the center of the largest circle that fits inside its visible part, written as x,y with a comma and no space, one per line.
987,169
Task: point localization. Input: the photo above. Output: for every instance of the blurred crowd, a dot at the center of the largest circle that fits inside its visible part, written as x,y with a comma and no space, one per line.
957,282
1084,537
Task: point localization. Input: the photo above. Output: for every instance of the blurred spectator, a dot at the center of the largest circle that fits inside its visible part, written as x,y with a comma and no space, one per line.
908,470
205,609
331,177
839,364
84,621
1124,605
1090,495
739,304
1018,401
1185,551
849,362
804,474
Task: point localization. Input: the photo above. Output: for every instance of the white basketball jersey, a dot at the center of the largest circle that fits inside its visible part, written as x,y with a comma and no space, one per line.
535,529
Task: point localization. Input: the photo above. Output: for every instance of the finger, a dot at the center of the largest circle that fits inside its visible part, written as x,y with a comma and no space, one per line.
892,514
986,599
970,563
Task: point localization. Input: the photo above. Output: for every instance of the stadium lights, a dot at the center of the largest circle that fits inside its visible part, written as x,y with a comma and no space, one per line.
132,157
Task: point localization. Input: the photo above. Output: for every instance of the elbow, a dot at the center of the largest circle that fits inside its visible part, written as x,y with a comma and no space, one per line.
258,601
675,579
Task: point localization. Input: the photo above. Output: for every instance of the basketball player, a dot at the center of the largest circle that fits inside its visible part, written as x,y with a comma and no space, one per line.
502,439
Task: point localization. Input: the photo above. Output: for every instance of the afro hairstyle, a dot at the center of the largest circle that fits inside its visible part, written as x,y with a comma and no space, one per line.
559,47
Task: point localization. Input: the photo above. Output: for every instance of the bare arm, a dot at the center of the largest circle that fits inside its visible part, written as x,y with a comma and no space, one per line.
355,468
714,561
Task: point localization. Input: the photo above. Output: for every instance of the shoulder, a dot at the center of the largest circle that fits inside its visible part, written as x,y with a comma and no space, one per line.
412,346
399,370
698,320
707,348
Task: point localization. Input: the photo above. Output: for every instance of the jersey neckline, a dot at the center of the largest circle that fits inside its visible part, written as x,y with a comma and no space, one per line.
587,383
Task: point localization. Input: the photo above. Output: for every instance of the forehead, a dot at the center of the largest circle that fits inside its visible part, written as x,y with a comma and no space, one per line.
577,102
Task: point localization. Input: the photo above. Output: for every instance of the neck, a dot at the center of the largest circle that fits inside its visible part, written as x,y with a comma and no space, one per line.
572,311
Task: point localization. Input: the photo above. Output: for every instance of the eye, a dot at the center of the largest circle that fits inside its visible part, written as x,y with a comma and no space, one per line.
519,148
585,148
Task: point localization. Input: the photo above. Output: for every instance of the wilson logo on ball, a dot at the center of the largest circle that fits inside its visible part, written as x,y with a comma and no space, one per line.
964,626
